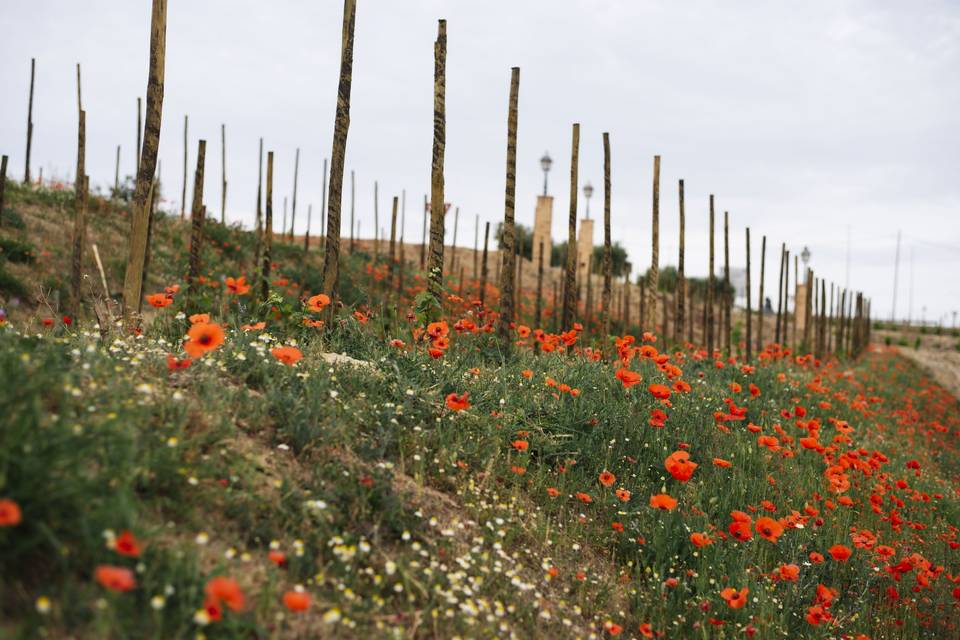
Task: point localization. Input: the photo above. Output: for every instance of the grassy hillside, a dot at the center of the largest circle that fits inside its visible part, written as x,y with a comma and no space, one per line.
428,484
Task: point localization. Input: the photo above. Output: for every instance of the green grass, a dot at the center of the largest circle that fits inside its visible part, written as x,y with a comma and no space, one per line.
403,518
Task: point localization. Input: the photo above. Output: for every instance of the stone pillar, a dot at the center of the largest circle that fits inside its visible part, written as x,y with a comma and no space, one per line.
584,245
542,223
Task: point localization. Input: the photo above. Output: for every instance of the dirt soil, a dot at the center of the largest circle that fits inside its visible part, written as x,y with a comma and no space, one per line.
937,354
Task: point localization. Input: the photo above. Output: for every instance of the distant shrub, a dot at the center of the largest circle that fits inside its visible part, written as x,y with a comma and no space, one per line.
16,251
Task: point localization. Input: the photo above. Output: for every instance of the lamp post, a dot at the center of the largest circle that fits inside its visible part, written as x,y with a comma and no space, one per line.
545,163
587,193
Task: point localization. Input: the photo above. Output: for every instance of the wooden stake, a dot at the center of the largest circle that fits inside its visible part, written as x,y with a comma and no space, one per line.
259,221
681,288
748,341
223,173
570,280
508,236
139,134
393,238
147,165
786,299
323,207
268,235
435,264
691,315
710,289
483,268
727,301
81,158
26,172
116,175
476,245
783,257
626,302
306,237
796,312
762,305
197,215
79,239
376,222
3,185
538,309
293,209
643,304
331,254
653,275
607,251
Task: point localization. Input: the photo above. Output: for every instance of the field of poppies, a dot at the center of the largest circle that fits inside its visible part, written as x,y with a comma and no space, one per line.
250,468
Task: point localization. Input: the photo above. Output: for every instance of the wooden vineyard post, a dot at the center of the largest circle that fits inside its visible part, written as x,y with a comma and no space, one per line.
710,289
331,254
223,174
3,184
796,283
323,207
197,214
402,259
822,324
570,278
747,342
116,175
26,171
607,251
786,298
393,239
79,238
306,236
139,135
653,274
293,209
538,302
183,192
476,246
727,298
626,301
138,237
483,267
508,237
376,222
783,252
691,315
588,304
435,263
267,233
681,287
259,221
762,304
807,306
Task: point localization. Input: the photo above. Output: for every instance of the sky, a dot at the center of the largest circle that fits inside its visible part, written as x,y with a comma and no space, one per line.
831,124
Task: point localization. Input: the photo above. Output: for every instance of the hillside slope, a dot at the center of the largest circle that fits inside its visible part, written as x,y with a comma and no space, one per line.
229,476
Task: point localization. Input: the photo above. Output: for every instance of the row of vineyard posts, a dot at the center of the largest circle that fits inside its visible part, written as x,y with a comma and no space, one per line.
841,325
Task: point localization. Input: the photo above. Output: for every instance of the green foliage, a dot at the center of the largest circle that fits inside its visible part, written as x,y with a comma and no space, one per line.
16,251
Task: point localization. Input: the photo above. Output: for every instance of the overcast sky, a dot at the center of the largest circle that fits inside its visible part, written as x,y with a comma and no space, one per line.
805,119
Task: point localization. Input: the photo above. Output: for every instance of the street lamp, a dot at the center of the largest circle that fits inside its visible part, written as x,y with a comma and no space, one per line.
805,256
545,163
587,192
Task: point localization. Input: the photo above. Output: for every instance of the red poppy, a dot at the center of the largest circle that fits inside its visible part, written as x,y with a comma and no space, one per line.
663,501
119,579
202,338
197,318
840,552
789,572
10,514
296,600
225,590
627,377
127,545
735,599
769,528
659,391
679,466
520,445
237,286
458,403
318,302
623,495
159,300
607,478
700,540
287,355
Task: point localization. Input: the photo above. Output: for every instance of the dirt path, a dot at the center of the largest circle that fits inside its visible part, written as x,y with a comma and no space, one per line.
938,354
